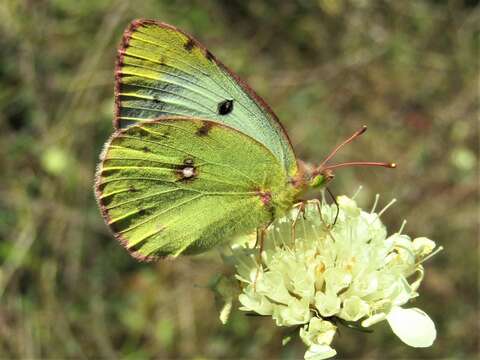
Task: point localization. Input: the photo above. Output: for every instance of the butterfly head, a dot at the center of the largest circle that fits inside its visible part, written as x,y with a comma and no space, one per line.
309,177
322,179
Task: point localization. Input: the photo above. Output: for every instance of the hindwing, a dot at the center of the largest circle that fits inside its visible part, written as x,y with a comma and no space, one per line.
183,185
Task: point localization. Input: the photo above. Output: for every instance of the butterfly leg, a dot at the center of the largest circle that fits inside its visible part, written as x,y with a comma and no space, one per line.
328,226
319,203
301,211
336,204
261,232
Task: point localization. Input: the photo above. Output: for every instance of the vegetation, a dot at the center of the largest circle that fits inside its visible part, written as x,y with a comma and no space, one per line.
407,69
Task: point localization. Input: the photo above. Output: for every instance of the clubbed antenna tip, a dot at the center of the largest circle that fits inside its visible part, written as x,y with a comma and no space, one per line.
322,167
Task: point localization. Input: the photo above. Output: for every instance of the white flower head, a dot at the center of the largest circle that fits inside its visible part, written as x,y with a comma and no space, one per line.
320,275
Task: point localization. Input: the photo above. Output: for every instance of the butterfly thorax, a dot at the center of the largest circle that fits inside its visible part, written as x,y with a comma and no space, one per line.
280,199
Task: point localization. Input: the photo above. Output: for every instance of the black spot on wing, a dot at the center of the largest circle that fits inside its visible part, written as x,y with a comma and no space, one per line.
225,107
187,171
204,129
189,45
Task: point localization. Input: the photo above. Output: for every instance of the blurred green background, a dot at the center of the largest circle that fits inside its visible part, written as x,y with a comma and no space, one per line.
408,69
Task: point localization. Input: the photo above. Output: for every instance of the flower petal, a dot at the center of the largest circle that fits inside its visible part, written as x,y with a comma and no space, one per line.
373,319
413,326
272,284
225,312
318,332
318,352
253,301
327,304
296,312
354,308
423,246
348,205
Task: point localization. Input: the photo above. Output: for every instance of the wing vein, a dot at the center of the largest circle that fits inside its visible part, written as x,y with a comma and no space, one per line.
149,196
164,91
158,214
224,75
178,57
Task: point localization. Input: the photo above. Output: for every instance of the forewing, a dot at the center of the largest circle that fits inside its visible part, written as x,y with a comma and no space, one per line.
162,71
181,185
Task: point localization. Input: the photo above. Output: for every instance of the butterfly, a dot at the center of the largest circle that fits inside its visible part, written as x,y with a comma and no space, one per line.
197,157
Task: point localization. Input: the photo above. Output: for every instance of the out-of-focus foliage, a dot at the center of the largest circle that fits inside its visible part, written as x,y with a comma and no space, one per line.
408,69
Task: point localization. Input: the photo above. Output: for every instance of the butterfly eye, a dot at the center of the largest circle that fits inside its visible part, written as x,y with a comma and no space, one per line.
225,107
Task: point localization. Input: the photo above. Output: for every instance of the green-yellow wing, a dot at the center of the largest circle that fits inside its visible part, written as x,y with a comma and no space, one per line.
182,185
162,71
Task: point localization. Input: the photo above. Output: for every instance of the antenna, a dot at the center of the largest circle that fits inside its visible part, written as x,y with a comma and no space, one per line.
361,163
349,140
322,167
